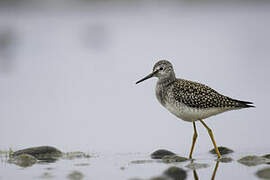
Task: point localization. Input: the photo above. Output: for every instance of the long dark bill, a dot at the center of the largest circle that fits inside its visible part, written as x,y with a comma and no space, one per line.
147,77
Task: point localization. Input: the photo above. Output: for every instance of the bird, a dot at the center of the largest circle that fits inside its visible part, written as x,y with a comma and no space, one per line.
190,101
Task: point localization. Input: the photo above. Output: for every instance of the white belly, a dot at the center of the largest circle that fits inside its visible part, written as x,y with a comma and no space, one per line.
192,114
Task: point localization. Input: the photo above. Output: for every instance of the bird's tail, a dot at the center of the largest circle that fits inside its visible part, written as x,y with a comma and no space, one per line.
244,104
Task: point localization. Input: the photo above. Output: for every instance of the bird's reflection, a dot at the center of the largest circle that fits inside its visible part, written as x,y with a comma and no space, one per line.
196,177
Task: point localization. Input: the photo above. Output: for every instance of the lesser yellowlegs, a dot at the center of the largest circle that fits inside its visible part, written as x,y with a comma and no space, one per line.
190,101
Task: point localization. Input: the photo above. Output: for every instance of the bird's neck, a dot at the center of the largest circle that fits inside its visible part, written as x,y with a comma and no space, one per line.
167,80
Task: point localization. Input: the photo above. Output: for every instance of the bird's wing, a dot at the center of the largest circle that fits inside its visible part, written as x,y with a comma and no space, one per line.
198,95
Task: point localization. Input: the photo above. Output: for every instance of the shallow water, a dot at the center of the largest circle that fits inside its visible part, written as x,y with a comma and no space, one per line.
128,166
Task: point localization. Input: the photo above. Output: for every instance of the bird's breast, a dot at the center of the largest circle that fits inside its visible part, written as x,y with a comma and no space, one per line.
190,114
160,94
181,111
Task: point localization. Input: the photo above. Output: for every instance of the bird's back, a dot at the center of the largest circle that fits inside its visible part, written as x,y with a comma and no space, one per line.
192,101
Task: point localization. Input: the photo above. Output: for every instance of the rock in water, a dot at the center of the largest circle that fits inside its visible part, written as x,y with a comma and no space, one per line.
267,156
253,160
160,178
175,173
222,150
75,155
173,158
23,160
46,175
40,153
225,160
159,154
264,173
195,166
141,161
75,175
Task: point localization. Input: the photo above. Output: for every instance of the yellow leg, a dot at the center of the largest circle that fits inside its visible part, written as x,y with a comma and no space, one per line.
196,177
215,171
212,138
195,135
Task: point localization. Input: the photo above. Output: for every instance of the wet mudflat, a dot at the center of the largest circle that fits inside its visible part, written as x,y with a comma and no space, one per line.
133,166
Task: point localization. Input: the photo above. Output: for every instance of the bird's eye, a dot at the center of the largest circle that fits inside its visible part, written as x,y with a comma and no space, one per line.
161,68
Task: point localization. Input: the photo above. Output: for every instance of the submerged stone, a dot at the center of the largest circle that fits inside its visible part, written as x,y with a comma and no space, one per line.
159,154
175,173
141,161
267,156
264,173
225,159
195,166
82,164
75,175
23,160
40,153
75,155
49,168
47,160
173,158
253,160
160,178
46,175
222,150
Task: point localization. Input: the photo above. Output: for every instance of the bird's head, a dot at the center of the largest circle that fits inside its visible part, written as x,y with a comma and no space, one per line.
163,69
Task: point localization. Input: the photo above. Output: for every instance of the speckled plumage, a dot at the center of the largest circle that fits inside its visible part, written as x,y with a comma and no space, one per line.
198,95
189,100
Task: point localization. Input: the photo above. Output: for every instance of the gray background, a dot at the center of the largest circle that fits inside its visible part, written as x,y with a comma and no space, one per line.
68,73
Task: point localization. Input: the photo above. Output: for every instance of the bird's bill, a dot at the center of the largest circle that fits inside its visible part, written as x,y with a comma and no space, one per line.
147,77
